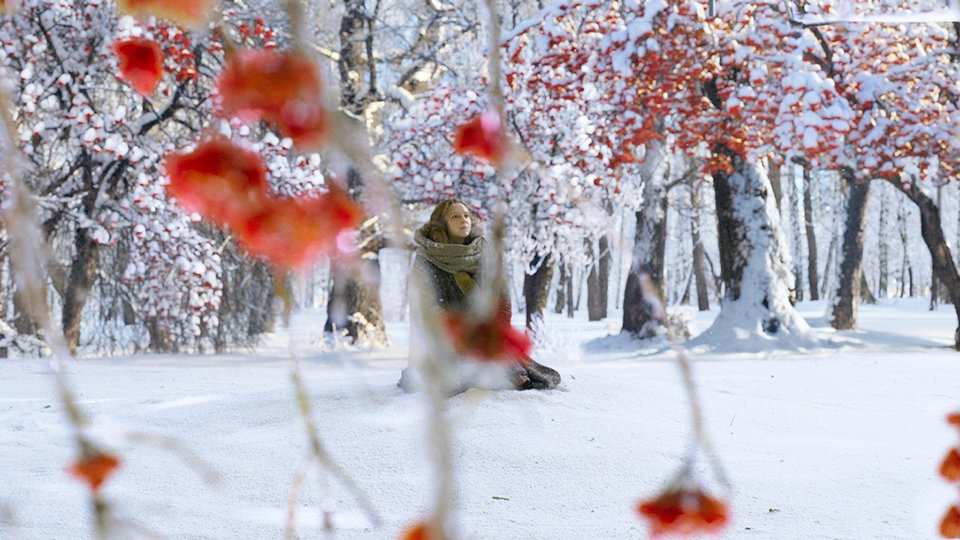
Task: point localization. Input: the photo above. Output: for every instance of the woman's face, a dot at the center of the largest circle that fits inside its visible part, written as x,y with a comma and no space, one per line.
457,220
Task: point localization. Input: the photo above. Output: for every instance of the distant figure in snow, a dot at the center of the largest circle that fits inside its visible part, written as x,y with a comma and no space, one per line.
448,266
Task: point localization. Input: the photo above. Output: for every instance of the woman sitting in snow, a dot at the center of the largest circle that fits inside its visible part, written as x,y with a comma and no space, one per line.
450,254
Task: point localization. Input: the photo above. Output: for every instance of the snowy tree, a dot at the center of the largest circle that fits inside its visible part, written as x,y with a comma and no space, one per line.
97,143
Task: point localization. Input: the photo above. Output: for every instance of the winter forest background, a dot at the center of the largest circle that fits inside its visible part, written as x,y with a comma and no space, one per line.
768,171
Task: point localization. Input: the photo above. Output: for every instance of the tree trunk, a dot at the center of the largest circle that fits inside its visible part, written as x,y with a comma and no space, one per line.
935,294
685,297
618,287
699,256
754,262
847,291
22,321
795,204
570,311
536,287
598,281
905,267
354,303
883,246
808,219
358,84
866,296
4,295
777,187
649,244
83,272
579,288
562,284
932,232
828,268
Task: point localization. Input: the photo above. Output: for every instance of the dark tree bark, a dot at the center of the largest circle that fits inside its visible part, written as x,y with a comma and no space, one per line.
562,285
22,322
795,201
932,232
828,268
866,296
905,266
536,287
776,185
685,298
812,277
354,303
4,295
570,307
83,272
847,291
578,288
83,268
753,257
598,281
649,245
362,295
935,294
883,247
699,255
358,80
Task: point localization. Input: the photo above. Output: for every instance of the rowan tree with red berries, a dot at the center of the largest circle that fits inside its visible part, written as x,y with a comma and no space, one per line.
102,97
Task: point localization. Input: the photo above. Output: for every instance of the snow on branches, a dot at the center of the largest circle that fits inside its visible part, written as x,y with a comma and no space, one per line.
96,118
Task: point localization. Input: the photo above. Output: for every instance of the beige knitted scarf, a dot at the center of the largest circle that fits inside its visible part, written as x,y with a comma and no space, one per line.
460,260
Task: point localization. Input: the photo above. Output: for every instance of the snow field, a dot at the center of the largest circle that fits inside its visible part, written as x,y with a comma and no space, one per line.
840,443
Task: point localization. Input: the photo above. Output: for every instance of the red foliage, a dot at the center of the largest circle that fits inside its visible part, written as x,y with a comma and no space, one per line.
282,87
684,511
94,469
291,233
954,419
219,180
140,62
950,524
192,13
491,339
482,138
950,468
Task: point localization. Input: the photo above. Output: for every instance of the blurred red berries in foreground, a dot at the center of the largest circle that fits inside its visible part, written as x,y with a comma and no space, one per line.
281,87
490,339
950,470
482,138
420,531
684,511
219,180
94,469
227,185
291,233
950,467
141,63
950,524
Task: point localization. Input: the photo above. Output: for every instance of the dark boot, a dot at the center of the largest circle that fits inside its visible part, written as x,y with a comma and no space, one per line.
520,379
541,376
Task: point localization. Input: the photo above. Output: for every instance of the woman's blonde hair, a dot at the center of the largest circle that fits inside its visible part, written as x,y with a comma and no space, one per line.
436,228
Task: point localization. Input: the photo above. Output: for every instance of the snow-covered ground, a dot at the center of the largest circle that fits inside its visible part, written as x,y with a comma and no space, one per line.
841,442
